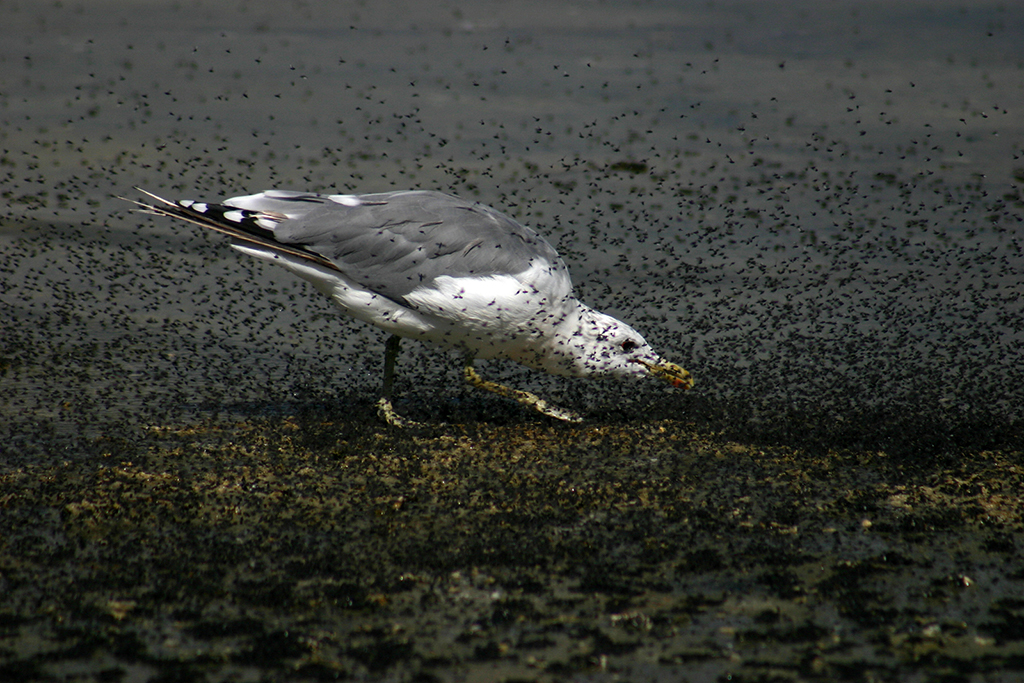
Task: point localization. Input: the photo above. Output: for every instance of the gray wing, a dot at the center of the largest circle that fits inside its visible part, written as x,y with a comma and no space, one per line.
393,242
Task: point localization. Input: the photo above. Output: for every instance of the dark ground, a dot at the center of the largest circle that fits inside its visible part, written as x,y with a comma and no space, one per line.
815,208
321,546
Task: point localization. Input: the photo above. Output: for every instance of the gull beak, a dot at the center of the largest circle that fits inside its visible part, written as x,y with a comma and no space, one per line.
670,372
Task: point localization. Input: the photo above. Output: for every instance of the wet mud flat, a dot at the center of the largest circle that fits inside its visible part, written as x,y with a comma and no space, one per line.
321,546
811,206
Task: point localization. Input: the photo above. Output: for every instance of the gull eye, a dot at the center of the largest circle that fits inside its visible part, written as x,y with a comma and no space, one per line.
628,345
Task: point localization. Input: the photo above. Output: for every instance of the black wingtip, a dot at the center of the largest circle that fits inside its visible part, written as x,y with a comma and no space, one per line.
247,231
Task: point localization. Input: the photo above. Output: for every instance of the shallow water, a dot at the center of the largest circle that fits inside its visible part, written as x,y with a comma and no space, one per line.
815,209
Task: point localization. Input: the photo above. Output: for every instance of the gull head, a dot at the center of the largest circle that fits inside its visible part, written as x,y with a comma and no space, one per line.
601,346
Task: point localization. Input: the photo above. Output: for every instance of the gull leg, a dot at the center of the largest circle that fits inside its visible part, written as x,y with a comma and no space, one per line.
384,407
524,397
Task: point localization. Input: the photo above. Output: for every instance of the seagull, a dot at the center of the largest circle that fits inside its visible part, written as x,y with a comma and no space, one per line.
430,266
